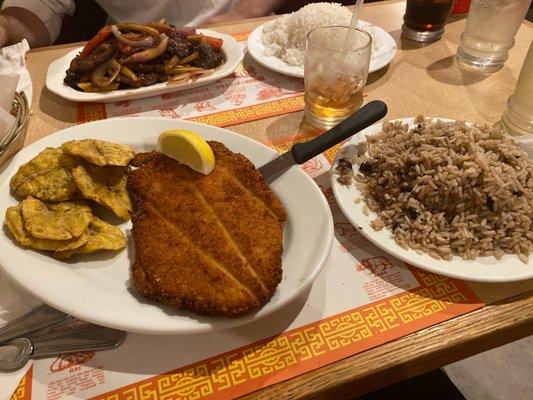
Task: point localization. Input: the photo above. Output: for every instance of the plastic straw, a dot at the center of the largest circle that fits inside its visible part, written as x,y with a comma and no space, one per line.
353,24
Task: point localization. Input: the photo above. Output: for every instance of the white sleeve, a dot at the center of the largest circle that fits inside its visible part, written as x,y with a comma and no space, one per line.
51,12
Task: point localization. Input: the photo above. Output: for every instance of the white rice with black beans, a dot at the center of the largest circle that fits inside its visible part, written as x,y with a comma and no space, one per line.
446,188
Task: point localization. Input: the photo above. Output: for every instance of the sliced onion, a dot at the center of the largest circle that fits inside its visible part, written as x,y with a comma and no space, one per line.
89,87
189,58
171,63
197,37
206,71
193,76
128,73
149,54
180,78
146,42
139,28
180,70
187,30
105,73
161,27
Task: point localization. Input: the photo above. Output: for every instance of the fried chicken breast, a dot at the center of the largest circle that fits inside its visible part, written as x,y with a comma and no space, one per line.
211,244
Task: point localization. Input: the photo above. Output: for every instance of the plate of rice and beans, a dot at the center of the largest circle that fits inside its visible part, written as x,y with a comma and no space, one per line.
447,196
279,45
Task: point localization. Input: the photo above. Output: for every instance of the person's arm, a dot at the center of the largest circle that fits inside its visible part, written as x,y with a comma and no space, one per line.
17,23
37,21
246,9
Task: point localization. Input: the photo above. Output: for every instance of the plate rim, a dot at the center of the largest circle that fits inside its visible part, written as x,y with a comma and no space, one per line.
254,37
396,250
227,323
152,90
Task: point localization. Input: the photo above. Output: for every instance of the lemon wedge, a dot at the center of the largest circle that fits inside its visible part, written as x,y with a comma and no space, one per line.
188,148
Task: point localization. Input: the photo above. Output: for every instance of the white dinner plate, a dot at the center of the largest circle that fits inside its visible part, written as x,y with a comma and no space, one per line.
483,269
380,58
233,55
97,287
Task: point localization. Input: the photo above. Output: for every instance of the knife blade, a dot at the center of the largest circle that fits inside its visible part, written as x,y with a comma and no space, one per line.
38,318
302,152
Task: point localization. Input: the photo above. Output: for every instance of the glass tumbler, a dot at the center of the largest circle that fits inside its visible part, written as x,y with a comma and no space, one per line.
491,27
335,73
424,20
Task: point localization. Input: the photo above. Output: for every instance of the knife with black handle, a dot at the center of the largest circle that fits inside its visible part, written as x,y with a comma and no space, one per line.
302,152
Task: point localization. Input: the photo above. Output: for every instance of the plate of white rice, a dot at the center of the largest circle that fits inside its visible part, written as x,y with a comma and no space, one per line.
449,197
280,44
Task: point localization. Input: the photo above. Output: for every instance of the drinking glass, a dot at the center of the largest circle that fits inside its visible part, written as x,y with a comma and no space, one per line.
335,73
424,20
491,27
518,119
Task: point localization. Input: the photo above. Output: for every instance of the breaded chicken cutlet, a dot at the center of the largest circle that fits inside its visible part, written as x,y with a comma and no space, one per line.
211,244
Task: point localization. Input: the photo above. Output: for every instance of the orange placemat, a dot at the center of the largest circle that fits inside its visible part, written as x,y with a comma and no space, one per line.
252,92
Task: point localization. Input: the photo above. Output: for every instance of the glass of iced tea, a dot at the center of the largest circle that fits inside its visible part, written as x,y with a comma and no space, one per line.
336,68
424,20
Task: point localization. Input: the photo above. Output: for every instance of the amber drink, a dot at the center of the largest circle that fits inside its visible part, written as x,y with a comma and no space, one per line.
424,20
335,74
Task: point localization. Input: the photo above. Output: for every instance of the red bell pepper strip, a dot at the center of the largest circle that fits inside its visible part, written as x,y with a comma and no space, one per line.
214,42
101,36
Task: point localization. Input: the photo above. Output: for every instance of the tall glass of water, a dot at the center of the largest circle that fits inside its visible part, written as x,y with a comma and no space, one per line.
490,31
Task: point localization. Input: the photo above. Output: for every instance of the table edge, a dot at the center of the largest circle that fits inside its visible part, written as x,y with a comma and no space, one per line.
510,319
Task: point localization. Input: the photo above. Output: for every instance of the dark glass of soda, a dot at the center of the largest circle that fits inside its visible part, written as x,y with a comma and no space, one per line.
424,20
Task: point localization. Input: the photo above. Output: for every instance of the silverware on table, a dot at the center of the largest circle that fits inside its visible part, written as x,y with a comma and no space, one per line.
39,318
46,332
302,152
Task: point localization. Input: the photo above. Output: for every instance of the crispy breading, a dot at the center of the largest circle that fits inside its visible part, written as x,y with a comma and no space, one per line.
47,176
102,236
15,225
58,221
106,186
100,152
212,244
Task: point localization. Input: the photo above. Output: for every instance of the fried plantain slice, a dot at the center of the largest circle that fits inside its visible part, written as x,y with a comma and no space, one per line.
106,186
15,224
60,221
102,236
100,152
47,176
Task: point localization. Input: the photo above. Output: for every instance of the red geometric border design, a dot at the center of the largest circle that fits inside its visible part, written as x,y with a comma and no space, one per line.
300,350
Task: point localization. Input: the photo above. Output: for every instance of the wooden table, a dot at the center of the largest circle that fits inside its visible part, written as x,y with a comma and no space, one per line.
421,80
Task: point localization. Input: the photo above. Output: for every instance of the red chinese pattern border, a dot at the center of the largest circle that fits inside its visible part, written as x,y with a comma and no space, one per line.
253,112
289,354
23,390
300,350
96,111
